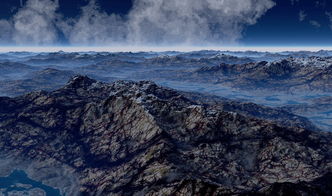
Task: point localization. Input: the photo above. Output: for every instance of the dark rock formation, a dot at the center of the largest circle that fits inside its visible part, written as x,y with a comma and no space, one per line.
136,138
281,116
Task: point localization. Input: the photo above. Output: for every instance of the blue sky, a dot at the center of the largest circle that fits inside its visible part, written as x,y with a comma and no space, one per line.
281,25
288,23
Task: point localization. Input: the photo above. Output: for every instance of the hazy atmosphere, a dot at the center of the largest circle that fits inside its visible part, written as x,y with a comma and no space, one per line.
165,97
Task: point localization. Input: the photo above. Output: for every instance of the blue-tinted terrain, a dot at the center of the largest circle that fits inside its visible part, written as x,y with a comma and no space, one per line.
298,82
166,123
18,183
165,97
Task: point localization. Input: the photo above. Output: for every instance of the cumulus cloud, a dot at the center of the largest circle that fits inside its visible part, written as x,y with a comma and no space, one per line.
35,23
95,27
195,22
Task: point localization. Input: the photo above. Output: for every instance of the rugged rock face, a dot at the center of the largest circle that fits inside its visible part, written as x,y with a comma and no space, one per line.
136,138
281,116
287,75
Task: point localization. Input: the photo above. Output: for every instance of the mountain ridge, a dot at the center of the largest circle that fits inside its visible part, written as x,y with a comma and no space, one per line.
134,138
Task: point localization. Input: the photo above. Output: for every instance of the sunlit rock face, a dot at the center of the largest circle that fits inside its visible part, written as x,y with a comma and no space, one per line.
136,138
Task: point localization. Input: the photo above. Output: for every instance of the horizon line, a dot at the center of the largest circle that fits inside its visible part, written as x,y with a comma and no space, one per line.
4,49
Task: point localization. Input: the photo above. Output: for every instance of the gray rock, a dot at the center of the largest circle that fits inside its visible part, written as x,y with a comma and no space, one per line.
136,138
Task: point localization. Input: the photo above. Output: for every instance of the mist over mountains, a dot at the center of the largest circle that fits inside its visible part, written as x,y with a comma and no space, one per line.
288,80
151,123
165,97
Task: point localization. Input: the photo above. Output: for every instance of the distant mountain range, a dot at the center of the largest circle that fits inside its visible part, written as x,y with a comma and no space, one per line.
169,123
285,79
309,74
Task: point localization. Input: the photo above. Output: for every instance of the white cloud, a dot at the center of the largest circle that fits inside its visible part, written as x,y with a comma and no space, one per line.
193,21
95,27
35,23
150,22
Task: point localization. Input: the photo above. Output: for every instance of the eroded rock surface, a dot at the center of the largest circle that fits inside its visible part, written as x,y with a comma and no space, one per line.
136,138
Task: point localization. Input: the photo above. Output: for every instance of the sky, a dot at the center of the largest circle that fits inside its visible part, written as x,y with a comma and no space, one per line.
166,22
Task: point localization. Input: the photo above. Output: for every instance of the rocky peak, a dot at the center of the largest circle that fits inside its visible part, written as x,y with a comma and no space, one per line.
137,138
80,81
280,69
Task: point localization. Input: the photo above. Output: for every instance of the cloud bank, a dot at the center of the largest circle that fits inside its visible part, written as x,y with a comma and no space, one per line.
35,23
149,22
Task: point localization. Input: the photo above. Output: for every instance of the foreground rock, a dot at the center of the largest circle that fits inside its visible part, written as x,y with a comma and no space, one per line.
280,116
135,138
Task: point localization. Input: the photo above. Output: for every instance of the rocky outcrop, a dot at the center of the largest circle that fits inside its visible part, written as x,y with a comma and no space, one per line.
136,138
287,75
281,116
